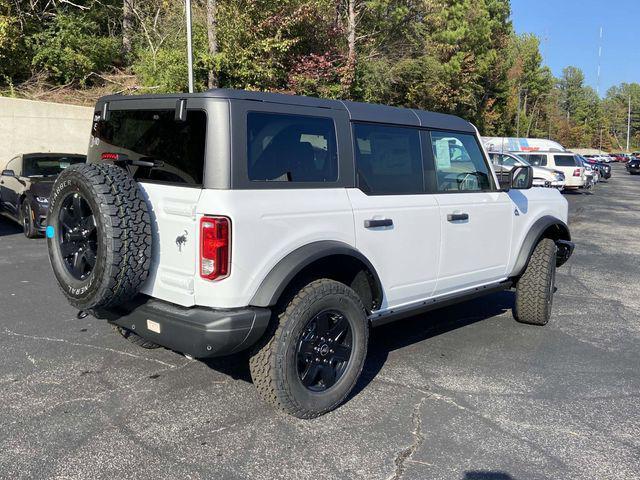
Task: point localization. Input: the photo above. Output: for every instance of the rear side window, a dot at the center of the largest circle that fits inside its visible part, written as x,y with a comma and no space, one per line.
388,160
175,147
291,148
565,160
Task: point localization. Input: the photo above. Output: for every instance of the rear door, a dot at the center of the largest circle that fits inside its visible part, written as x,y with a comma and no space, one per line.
173,152
397,224
475,217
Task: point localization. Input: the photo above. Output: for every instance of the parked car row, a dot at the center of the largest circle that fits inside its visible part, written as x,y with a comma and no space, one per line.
554,169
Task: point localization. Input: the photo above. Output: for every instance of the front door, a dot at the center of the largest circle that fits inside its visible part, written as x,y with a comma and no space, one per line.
475,217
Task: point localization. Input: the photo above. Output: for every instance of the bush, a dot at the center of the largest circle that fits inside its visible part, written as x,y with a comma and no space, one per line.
69,49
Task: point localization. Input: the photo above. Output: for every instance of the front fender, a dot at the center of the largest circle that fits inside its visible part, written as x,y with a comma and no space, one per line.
544,227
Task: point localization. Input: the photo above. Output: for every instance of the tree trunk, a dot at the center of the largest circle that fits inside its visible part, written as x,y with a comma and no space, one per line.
127,29
212,27
351,41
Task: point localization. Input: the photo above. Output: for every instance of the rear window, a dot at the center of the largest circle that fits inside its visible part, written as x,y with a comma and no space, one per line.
565,160
291,148
175,147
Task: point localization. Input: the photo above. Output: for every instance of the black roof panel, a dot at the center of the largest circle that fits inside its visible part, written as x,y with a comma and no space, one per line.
365,112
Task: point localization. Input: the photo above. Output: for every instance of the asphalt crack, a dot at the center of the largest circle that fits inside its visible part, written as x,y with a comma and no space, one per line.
86,345
404,455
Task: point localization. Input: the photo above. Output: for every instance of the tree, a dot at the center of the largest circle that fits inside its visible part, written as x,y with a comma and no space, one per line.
127,28
212,37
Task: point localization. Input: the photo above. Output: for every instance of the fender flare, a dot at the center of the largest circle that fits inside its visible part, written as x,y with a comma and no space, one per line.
560,231
281,275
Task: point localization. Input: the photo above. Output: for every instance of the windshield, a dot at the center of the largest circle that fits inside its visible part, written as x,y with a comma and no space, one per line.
49,165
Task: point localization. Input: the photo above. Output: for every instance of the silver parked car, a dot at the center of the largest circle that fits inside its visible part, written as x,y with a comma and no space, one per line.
503,163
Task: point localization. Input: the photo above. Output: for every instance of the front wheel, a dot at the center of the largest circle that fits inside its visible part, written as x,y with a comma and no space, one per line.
26,219
315,355
535,288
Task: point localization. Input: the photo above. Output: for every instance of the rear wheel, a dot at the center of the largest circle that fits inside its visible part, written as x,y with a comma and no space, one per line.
315,355
535,288
26,219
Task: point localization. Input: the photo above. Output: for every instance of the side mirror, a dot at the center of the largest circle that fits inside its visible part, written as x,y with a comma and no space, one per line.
521,177
8,173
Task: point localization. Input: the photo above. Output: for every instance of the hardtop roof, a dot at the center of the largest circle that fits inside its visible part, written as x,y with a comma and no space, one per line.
358,111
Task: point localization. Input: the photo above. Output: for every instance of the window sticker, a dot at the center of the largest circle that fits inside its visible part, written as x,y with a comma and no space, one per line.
442,153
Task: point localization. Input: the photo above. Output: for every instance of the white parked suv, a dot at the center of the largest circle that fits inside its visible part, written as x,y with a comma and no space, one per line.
287,226
566,162
503,163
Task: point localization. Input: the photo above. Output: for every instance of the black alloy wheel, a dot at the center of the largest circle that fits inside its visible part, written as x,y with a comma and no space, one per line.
77,236
324,350
26,216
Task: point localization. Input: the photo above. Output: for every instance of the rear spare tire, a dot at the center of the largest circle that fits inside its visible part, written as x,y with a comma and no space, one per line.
99,235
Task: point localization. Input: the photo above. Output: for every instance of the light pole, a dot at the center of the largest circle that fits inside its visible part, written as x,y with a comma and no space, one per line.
187,6
628,123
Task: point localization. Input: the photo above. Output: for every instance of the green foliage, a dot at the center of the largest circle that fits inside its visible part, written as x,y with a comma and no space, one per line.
451,56
68,49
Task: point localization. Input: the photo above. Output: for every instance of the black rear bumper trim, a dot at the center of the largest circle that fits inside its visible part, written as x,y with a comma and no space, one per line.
197,331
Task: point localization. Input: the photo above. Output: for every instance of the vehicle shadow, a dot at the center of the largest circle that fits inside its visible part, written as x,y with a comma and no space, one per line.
8,227
419,328
394,336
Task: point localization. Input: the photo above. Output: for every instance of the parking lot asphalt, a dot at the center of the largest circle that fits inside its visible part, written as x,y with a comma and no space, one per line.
464,392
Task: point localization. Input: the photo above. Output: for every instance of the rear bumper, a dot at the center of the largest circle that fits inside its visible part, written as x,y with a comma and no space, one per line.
196,331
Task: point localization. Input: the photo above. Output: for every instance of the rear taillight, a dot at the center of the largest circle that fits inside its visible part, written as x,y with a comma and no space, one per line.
215,247
576,172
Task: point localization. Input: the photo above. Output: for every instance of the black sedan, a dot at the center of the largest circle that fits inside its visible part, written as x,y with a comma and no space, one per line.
633,166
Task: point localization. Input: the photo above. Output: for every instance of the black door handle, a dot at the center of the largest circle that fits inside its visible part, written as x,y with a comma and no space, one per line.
385,222
454,217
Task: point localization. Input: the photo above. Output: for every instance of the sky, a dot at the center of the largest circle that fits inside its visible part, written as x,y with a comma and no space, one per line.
569,32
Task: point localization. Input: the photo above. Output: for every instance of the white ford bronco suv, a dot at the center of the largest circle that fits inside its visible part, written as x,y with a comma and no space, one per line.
285,226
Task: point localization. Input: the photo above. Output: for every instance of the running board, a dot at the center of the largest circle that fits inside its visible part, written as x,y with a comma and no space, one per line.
394,314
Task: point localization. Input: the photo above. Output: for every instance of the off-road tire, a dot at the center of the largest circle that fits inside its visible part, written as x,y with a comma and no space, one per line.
535,288
135,338
123,234
273,362
26,220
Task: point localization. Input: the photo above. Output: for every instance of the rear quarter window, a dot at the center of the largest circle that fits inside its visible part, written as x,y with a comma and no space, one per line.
176,147
291,148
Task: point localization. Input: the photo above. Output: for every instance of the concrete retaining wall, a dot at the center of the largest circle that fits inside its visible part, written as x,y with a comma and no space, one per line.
28,126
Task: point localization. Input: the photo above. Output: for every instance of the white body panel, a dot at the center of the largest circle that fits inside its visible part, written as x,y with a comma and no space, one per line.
175,248
405,255
421,256
474,251
266,225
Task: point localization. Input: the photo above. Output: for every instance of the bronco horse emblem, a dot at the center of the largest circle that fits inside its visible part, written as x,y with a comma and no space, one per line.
181,240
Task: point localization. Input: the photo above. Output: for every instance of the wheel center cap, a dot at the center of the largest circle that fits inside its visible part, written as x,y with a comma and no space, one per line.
324,349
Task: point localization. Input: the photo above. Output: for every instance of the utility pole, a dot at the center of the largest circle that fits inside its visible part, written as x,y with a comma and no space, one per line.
187,6
628,123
